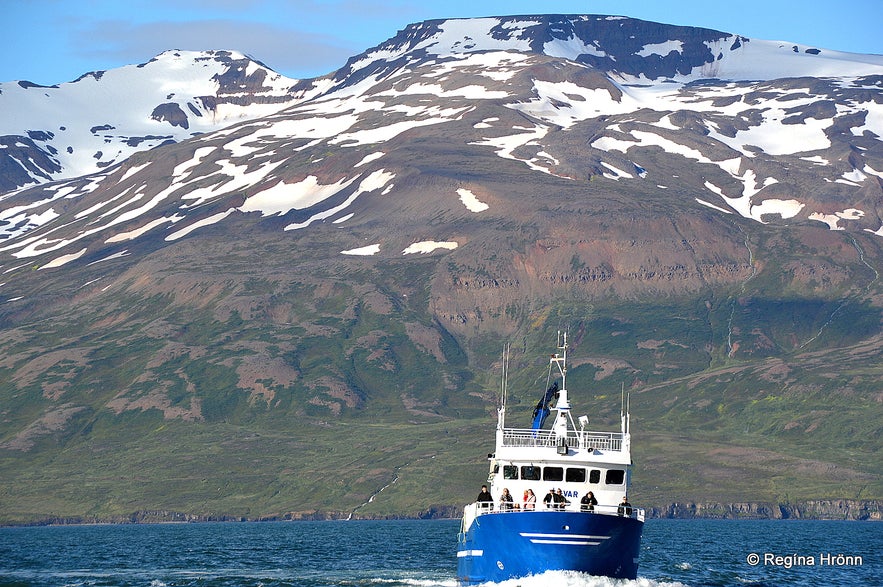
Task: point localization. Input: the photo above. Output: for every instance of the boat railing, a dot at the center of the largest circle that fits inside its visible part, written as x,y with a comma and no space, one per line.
526,437
482,508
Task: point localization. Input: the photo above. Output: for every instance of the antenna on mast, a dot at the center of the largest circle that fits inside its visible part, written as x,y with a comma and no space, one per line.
503,377
504,386
622,408
628,412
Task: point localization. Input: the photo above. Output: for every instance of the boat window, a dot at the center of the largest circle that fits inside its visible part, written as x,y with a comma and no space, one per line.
594,476
530,473
510,472
576,474
615,477
553,473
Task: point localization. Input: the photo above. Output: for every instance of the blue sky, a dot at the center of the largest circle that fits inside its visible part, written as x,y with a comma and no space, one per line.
54,41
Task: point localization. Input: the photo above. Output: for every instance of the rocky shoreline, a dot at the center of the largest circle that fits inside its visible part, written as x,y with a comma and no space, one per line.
820,509
824,509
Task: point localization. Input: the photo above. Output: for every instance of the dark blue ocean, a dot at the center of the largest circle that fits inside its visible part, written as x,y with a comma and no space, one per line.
422,553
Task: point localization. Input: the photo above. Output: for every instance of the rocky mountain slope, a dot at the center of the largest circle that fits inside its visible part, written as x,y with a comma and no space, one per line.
296,298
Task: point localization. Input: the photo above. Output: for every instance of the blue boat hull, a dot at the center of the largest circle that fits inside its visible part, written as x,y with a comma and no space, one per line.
507,545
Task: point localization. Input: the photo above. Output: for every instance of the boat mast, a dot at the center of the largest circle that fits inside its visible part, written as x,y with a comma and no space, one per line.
504,389
563,404
625,418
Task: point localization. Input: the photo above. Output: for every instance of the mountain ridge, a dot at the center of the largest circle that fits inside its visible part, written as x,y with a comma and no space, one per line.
164,98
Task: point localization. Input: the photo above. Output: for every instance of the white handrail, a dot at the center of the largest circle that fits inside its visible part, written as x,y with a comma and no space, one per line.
526,437
483,508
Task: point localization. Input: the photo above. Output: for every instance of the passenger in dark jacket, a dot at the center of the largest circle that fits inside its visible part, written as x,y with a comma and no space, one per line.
560,501
485,499
588,502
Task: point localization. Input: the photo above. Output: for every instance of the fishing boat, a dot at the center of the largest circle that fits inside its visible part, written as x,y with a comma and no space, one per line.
507,534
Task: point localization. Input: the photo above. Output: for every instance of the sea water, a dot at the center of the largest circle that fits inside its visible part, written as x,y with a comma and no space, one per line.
694,553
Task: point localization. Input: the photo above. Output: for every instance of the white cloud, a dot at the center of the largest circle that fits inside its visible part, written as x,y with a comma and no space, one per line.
281,48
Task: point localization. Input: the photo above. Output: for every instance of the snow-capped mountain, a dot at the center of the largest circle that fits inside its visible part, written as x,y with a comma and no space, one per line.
778,130
632,50
102,118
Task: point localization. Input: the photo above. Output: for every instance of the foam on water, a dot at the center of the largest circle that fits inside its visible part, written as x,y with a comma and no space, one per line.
574,579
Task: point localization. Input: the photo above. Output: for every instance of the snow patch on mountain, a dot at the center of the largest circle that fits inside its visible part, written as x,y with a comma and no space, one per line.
833,220
213,219
369,158
506,145
59,261
426,247
365,251
662,49
376,181
615,173
282,197
565,103
775,138
497,66
133,234
471,201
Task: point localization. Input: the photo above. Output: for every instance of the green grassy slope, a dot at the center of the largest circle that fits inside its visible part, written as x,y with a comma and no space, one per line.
280,389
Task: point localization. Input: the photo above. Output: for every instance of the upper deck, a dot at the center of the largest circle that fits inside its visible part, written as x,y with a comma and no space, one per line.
536,446
577,440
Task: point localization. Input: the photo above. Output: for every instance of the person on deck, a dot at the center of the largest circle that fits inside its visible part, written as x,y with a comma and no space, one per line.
588,502
485,499
506,500
560,501
530,500
549,500
625,508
